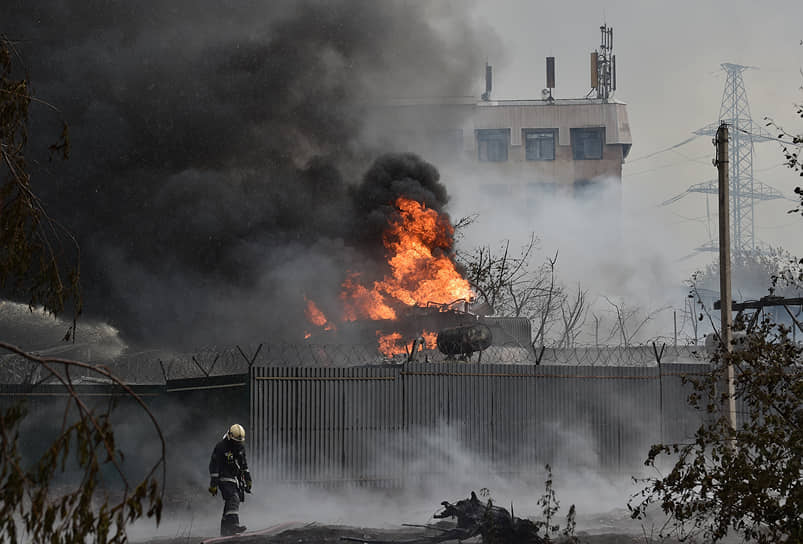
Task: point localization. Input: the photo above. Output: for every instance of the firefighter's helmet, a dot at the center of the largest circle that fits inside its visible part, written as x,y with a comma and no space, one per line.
236,433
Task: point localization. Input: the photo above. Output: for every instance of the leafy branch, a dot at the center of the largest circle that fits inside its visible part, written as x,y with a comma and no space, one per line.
33,246
27,491
747,479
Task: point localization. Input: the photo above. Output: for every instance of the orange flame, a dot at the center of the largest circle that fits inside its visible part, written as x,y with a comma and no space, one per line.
394,344
419,245
421,271
316,317
391,344
430,339
362,303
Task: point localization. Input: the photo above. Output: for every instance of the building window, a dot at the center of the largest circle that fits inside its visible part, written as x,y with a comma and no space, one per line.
492,144
587,143
539,144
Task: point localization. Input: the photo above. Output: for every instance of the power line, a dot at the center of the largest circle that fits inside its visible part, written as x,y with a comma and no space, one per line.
693,159
764,136
664,166
684,142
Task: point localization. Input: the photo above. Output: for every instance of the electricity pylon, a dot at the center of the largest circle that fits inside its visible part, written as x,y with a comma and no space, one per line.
744,189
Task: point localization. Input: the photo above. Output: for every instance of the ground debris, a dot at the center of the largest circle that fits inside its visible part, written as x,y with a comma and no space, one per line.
493,523
475,518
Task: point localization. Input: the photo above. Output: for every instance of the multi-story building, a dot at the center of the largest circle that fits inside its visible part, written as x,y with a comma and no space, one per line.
518,147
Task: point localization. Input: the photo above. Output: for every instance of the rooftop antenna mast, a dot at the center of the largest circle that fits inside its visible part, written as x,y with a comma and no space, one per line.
603,65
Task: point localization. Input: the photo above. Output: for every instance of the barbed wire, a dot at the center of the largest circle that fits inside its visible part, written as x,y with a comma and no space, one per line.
644,355
159,367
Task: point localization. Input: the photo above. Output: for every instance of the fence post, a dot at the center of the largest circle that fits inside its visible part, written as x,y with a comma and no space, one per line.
162,366
250,362
213,364
254,358
658,357
538,355
194,360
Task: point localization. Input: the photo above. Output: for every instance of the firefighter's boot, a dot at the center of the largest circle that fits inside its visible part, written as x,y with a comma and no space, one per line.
230,525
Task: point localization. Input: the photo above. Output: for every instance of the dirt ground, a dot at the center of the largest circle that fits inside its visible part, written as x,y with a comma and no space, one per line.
300,516
334,534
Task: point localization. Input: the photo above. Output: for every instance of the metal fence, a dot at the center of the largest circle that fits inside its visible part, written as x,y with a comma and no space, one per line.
48,406
192,415
380,425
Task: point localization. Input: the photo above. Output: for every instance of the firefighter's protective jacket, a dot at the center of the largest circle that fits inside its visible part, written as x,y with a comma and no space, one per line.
228,464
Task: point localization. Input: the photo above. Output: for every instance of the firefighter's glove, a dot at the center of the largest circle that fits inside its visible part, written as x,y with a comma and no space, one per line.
248,487
213,490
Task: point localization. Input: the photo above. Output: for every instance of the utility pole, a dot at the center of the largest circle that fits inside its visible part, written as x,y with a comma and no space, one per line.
721,163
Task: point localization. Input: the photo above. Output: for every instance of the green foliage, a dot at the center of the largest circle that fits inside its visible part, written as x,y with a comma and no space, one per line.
33,258
549,508
504,530
97,501
27,497
746,480
791,144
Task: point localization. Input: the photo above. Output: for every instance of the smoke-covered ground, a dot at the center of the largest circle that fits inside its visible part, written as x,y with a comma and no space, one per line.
442,470
600,501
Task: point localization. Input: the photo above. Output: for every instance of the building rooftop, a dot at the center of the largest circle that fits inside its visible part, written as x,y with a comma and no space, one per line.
472,100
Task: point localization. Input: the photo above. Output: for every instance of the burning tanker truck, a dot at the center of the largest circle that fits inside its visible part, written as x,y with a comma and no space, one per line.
421,302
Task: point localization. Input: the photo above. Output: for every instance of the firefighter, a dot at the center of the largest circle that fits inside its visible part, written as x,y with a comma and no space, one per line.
228,470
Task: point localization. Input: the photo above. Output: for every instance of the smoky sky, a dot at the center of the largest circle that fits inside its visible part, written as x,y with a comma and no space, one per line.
217,170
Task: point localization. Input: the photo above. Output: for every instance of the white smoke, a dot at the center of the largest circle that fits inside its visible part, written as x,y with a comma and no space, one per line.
608,241
442,470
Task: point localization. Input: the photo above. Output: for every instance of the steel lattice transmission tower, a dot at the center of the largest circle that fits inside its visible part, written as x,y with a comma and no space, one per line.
744,189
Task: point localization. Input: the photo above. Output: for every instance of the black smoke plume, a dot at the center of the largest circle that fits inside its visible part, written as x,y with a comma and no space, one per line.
216,149
391,176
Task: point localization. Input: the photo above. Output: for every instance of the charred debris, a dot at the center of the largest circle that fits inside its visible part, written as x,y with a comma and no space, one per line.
493,524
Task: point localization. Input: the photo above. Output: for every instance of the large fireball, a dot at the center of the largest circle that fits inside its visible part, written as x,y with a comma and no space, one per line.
418,243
